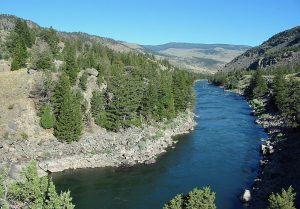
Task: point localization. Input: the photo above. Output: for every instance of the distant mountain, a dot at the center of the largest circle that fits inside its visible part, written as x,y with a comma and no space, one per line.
281,49
197,57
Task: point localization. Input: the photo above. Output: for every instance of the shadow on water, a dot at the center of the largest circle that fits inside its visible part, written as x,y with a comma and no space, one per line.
221,152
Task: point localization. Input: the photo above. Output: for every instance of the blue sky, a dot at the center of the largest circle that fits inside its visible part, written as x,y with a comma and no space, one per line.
248,22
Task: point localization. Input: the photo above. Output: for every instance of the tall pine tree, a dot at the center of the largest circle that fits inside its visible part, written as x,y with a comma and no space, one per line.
69,124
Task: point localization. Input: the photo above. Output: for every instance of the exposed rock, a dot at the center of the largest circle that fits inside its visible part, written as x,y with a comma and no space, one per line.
99,148
92,72
31,71
246,196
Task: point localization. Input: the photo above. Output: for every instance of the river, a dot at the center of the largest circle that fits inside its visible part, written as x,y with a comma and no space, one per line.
222,151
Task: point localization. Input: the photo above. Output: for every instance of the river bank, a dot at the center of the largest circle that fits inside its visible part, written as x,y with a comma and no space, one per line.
278,167
98,148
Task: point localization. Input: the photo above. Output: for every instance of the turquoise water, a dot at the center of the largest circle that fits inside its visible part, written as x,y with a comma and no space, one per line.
222,151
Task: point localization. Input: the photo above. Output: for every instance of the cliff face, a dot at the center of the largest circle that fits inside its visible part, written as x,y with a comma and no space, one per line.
281,49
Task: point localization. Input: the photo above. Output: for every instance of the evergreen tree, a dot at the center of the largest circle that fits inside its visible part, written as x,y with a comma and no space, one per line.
293,111
69,124
34,192
258,85
176,203
285,200
98,109
125,88
71,67
19,53
196,199
166,106
24,32
47,117
281,92
50,36
60,89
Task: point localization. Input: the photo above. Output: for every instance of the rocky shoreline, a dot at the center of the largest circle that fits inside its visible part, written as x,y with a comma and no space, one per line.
97,148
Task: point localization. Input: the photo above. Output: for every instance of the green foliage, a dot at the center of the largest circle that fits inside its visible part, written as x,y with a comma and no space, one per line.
201,199
98,109
83,81
182,90
166,106
60,89
258,86
287,99
280,87
195,199
41,56
176,203
69,123
20,38
50,36
71,68
18,52
24,32
47,117
285,200
125,88
24,136
32,192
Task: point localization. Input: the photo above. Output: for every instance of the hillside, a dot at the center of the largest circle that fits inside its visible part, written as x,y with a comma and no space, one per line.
197,57
280,50
7,24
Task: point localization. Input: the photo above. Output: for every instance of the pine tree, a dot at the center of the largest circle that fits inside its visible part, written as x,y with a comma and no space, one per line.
19,53
35,192
195,199
281,90
285,200
166,106
293,110
125,88
98,109
24,32
47,117
71,67
51,37
69,124
258,85
60,89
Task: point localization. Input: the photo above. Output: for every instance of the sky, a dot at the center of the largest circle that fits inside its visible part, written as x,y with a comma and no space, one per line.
243,22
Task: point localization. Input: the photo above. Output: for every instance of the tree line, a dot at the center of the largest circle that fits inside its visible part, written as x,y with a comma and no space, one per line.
279,86
138,89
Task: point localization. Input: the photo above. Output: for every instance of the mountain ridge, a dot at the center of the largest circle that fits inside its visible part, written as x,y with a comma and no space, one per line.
281,49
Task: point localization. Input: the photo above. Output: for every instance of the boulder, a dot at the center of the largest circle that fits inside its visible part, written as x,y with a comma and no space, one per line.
31,71
246,196
92,71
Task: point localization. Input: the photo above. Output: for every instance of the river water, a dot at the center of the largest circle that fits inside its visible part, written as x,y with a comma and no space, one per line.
222,151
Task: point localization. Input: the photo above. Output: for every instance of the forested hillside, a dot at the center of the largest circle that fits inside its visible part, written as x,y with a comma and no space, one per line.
85,82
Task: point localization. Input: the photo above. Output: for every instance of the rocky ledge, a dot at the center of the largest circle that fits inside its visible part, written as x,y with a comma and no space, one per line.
97,148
